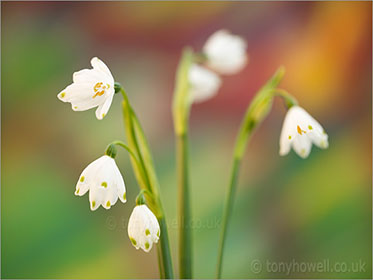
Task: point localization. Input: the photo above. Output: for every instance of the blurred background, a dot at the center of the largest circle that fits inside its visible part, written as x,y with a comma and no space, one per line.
287,209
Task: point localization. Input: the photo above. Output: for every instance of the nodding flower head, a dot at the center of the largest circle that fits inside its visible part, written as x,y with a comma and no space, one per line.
104,182
90,88
299,131
225,52
143,228
204,84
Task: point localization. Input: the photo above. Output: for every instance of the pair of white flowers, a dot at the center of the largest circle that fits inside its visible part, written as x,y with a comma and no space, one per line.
105,184
225,54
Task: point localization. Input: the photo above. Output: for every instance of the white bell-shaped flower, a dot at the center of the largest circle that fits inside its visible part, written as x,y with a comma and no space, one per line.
143,228
225,52
91,88
204,83
299,131
103,180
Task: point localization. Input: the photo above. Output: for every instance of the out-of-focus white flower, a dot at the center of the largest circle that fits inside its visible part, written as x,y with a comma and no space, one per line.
143,228
204,83
299,131
90,88
103,180
226,53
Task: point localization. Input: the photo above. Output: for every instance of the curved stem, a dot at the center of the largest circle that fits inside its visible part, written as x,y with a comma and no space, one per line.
255,114
123,145
288,98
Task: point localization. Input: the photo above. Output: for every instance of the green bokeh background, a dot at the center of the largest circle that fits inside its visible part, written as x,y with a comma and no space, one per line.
287,209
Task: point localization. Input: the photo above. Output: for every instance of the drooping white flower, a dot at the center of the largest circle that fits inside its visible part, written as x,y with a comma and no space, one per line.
299,131
91,88
143,228
226,53
204,83
103,180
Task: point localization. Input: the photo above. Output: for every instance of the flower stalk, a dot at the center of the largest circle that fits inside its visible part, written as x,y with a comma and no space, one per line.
181,108
143,166
254,116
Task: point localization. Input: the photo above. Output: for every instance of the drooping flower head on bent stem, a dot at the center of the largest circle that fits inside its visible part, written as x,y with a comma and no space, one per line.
299,131
143,227
104,182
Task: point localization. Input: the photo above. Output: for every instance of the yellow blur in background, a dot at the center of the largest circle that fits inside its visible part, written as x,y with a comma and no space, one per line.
287,210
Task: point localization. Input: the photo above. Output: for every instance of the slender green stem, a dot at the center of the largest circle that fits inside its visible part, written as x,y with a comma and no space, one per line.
137,141
181,108
185,238
165,249
226,215
134,138
255,114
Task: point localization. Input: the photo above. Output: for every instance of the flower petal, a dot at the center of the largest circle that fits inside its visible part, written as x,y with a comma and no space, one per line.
98,64
204,83
226,52
302,145
103,108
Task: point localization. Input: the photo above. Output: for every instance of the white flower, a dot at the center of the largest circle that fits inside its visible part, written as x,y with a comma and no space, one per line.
143,228
103,180
204,83
226,53
90,88
299,131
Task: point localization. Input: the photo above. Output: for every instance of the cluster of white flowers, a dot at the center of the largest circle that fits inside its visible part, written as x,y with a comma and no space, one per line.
225,54
102,178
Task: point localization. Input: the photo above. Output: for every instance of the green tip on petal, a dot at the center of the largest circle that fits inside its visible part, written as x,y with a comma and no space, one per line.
147,232
124,196
93,204
82,179
104,184
108,204
147,245
133,241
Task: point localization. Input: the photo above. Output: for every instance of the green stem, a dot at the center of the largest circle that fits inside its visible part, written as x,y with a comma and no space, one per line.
164,248
227,212
288,98
181,108
255,114
136,138
128,149
185,238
